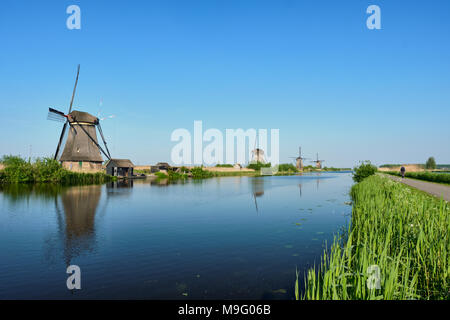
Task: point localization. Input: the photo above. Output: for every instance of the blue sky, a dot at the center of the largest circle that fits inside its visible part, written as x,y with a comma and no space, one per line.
309,68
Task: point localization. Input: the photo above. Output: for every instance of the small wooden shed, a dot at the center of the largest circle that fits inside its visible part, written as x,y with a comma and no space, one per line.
160,166
120,167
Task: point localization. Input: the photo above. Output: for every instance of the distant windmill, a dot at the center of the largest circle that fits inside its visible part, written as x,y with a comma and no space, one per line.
318,162
299,159
258,154
81,145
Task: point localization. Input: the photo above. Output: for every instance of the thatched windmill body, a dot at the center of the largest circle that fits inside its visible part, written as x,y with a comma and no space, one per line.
299,159
258,155
318,162
81,150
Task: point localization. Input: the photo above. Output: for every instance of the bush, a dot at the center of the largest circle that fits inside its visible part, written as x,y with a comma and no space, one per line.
17,170
364,170
226,165
258,165
12,160
161,175
199,173
176,175
286,167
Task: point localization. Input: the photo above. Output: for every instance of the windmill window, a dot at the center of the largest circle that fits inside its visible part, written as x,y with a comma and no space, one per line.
78,149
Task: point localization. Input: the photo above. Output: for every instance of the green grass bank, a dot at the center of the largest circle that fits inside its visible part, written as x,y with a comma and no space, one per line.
426,176
397,235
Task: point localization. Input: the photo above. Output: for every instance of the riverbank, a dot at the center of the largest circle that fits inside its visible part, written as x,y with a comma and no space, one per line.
199,173
18,170
397,247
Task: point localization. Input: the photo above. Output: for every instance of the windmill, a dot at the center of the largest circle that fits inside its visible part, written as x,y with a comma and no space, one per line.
258,154
81,150
299,159
318,162
257,190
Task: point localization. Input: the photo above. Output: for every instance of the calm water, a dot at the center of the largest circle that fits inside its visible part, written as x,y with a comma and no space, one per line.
221,238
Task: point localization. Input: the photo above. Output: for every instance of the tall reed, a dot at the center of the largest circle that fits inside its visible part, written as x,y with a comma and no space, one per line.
404,233
18,170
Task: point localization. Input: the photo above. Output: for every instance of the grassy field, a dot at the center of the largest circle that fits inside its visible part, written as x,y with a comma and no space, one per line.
426,176
397,235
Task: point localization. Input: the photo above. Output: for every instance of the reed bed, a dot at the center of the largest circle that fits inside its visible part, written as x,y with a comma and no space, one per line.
403,232
46,170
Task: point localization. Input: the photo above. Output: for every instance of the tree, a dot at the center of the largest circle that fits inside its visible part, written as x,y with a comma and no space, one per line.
431,163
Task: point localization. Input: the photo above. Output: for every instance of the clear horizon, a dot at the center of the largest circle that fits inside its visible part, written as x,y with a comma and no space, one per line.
312,70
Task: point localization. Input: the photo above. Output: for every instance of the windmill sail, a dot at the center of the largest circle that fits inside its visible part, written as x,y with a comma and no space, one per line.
56,115
82,152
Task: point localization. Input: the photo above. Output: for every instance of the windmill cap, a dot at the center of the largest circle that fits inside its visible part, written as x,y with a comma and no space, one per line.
80,116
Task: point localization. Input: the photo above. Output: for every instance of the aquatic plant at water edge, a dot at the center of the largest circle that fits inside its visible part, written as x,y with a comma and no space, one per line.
199,173
399,231
18,170
173,175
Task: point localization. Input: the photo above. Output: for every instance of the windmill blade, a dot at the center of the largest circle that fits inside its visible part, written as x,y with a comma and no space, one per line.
103,138
51,110
108,117
74,89
60,140
56,115
95,142
100,104
53,117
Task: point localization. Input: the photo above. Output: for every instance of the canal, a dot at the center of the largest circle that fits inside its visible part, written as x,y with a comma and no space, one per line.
219,238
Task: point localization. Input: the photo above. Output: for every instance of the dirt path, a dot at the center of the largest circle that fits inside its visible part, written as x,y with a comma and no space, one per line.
438,190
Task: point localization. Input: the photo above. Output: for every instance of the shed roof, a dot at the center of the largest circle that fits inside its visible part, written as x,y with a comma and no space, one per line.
162,164
120,163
